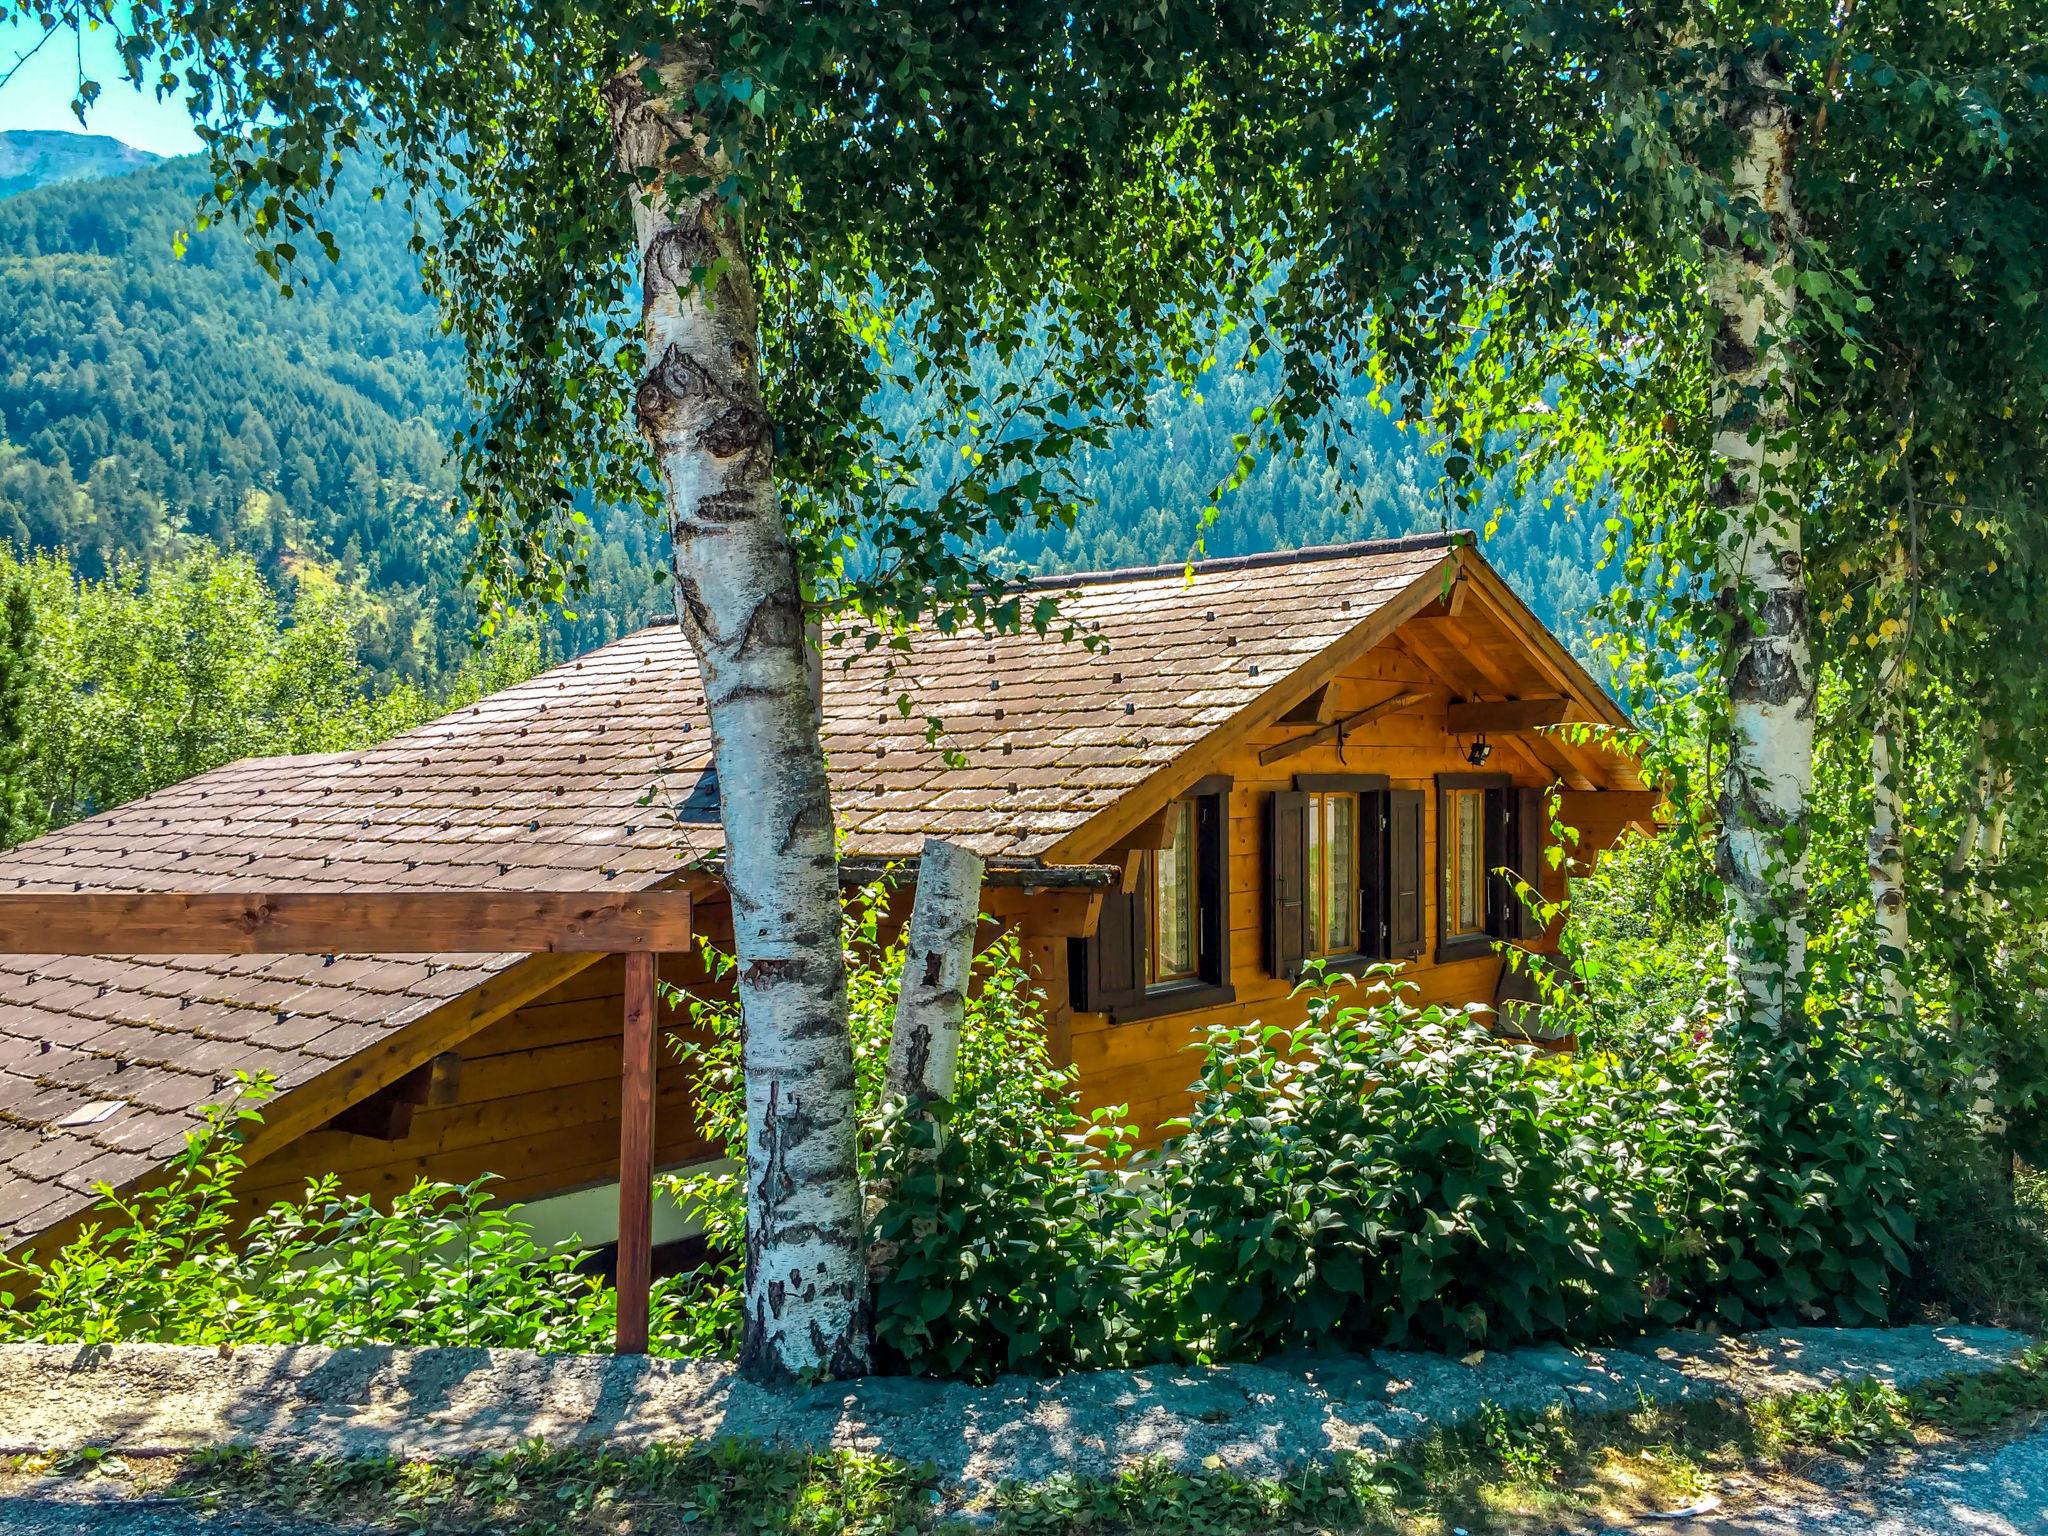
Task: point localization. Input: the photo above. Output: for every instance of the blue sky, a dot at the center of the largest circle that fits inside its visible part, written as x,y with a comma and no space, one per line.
39,95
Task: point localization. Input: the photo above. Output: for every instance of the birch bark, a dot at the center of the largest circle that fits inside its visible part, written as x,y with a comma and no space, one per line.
1761,569
1887,859
938,954
699,406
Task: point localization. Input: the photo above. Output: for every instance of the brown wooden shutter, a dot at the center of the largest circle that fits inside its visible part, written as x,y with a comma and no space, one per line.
1110,973
1499,835
1286,882
1212,862
1405,866
1374,876
1529,821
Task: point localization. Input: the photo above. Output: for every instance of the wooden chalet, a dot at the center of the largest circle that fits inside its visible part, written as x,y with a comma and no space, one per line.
1259,762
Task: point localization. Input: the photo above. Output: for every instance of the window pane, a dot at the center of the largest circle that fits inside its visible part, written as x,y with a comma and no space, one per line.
1342,935
1173,899
1468,910
1316,842
1332,874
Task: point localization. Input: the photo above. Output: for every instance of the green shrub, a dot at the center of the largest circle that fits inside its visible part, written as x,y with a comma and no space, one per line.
1010,1248
1388,1174
444,1265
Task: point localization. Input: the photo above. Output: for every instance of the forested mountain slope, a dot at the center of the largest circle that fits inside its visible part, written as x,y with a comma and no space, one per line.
149,403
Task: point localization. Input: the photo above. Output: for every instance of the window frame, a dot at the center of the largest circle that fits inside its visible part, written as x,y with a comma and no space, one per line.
1464,946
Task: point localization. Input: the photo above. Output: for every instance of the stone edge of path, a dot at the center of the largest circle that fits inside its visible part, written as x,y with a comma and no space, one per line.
1260,1419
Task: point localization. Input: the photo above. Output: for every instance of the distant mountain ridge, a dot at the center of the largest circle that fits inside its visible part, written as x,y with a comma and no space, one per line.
41,157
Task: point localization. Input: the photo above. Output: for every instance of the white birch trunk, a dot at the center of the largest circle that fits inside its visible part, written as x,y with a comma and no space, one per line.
1762,576
699,406
938,955
1976,803
1887,859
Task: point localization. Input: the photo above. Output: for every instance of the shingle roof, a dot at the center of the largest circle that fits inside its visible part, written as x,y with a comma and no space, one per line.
598,772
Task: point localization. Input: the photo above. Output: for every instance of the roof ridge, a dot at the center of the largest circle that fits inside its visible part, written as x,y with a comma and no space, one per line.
1447,538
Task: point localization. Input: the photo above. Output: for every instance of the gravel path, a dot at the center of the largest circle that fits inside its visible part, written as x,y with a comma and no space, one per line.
73,1516
1990,1491
1258,1419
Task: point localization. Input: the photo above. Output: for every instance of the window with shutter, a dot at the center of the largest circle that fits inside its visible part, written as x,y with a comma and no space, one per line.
1327,873
1165,947
1475,839
1530,819
1108,969
1286,882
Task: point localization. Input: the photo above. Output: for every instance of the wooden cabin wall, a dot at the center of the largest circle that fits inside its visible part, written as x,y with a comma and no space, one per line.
537,1100
1148,1064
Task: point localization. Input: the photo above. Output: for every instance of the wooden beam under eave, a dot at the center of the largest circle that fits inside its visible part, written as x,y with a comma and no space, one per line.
1067,914
1500,716
1464,641
1625,807
380,922
1319,708
1563,672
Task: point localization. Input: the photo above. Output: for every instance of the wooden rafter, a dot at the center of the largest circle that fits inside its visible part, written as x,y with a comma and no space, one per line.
1418,649
1545,755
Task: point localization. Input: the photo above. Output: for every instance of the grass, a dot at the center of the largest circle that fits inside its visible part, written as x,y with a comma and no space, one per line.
1501,1475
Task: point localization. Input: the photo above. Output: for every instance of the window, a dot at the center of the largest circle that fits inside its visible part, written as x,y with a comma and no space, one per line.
1163,946
1343,870
1488,830
1171,878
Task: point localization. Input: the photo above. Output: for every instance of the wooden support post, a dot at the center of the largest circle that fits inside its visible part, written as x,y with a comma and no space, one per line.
636,1156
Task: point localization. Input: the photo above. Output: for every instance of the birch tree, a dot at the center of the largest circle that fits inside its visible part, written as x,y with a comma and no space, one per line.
1692,311
689,248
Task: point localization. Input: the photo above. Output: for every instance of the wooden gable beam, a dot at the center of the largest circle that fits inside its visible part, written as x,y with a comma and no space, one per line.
1338,729
386,922
1546,755
1319,708
1500,716
1108,827
1562,671
386,1115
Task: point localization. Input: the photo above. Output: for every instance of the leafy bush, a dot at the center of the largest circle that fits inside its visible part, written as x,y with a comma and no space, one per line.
1395,1174
445,1265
